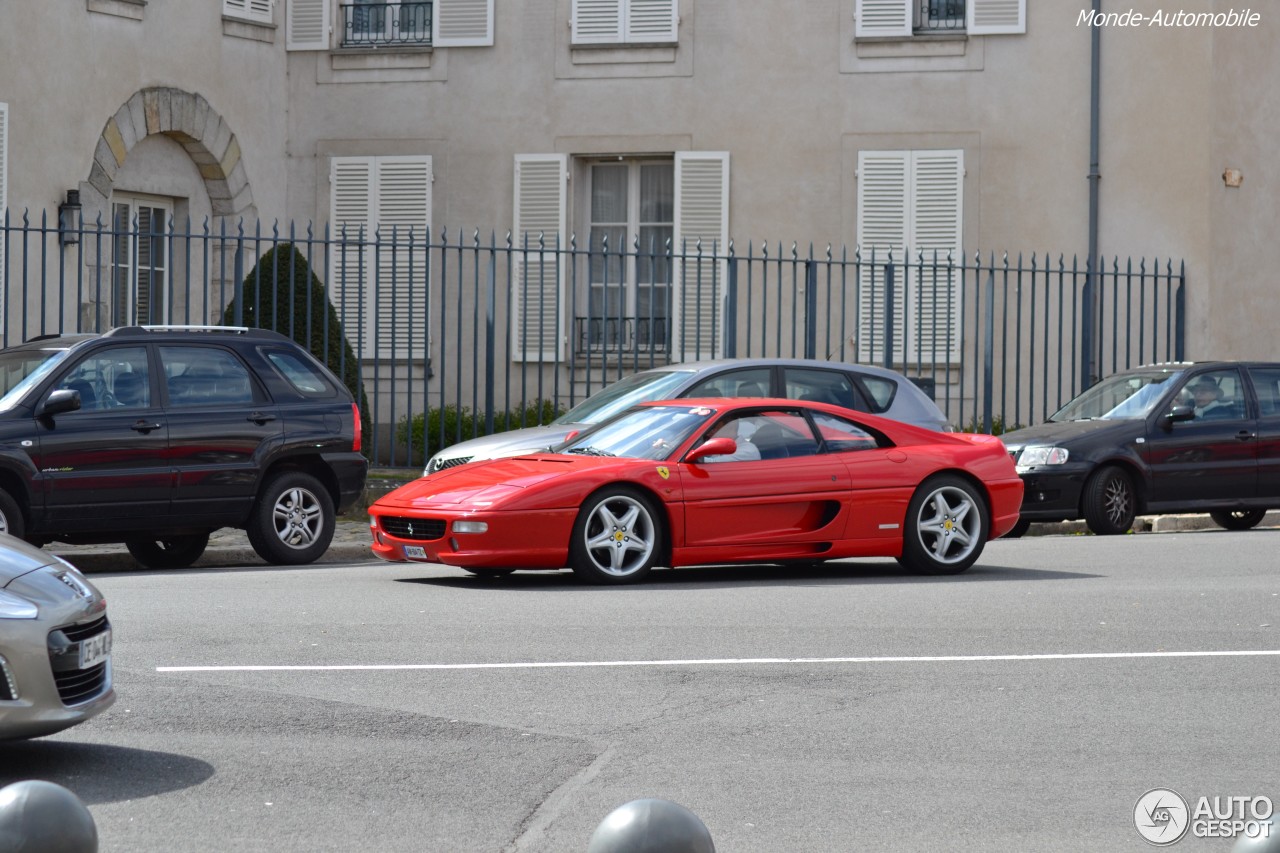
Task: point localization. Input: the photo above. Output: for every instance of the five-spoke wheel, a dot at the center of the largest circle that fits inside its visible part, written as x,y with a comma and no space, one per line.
293,520
617,537
946,527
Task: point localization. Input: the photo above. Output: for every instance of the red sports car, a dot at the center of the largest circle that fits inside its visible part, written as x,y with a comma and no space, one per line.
712,481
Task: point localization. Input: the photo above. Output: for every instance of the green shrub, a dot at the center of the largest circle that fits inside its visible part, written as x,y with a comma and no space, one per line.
461,424
278,294
998,426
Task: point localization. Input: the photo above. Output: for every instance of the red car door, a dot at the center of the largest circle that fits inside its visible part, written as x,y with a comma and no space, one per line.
792,494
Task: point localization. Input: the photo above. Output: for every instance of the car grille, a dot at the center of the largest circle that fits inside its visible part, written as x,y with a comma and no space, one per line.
441,464
417,529
81,685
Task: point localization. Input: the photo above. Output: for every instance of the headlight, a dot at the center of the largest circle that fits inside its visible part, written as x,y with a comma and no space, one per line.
1035,455
15,607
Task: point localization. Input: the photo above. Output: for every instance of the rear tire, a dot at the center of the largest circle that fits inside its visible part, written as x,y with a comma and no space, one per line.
172,552
293,521
617,538
947,527
11,520
1110,503
1239,519
1018,530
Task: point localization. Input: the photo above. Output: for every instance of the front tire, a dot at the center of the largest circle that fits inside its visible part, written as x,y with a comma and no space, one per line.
1110,503
947,527
11,520
1240,519
617,537
173,552
293,521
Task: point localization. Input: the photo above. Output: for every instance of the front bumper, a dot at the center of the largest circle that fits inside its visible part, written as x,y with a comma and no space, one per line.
1052,492
52,694
524,540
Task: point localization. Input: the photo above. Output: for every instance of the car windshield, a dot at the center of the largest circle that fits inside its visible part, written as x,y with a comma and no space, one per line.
22,369
650,432
1121,397
622,395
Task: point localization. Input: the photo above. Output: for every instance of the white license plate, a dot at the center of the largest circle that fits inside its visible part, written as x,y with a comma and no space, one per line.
415,552
95,650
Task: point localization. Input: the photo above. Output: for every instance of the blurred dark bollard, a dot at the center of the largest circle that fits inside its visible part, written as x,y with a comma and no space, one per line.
41,817
1266,841
651,826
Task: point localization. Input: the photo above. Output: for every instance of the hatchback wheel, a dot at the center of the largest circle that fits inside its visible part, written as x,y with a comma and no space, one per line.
1110,504
170,552
293,521
1240,519
617,537
946,527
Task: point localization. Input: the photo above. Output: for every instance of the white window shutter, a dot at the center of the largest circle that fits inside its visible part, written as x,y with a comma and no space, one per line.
883,232
652,20
538,274
462,23
701,227
253,10
597,21
882,18
995,17
932,296
397,301
351,211
307,25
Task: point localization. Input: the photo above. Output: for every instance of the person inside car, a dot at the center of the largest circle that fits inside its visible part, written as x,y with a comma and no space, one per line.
740,430
1207,397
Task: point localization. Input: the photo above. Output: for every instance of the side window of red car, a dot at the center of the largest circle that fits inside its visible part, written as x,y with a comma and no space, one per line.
841,436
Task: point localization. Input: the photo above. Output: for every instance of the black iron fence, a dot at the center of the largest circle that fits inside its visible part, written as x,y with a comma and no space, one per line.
380,24
484,326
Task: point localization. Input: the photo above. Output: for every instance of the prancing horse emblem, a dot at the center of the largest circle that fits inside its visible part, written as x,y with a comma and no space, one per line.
410,529
663,472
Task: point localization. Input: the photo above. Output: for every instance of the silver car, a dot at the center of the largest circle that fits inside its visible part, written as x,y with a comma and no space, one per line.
55,644
855,386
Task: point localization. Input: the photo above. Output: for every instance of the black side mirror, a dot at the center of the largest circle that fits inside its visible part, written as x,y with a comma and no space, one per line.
1180,412
61,400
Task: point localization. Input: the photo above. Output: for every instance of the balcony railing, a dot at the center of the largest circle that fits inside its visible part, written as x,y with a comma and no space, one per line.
386,24
941,15
621,334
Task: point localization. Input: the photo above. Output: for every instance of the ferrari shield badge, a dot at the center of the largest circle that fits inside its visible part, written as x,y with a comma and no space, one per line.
663,472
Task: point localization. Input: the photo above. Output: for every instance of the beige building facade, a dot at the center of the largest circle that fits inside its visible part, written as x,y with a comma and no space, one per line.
925,125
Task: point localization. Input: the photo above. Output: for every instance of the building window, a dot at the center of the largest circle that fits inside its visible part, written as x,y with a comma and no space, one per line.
370,24
900,19
625,21
910,219
258,11
631,221
139,259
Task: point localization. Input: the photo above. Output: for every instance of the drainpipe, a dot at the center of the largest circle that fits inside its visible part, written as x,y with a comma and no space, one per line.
1087,366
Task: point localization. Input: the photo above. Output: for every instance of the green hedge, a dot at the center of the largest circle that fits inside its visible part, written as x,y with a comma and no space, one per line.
278,294
461,424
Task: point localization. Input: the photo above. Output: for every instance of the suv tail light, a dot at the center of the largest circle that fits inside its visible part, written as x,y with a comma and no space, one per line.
355,415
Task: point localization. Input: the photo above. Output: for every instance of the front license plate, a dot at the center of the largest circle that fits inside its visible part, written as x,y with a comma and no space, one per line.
415,552
95,650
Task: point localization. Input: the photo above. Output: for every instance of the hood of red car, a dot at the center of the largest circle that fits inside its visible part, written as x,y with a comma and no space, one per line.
482,484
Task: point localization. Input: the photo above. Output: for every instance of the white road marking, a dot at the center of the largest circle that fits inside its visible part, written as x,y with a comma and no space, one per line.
719,662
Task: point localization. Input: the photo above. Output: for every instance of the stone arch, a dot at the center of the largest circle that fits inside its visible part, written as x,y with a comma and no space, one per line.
189,120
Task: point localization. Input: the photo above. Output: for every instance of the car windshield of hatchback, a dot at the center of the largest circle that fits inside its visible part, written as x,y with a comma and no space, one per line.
622,395
1123,397
21,370
651,432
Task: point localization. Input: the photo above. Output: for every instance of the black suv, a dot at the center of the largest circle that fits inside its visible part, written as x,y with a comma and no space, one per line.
156,436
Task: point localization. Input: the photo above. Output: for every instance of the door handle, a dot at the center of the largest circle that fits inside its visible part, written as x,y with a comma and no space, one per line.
1244,435
144,427
261,418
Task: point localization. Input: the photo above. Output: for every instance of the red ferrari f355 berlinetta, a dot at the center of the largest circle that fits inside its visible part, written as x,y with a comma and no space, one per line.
712,481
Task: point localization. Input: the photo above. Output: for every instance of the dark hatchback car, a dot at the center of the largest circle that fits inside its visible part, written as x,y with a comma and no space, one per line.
1201,437
156,436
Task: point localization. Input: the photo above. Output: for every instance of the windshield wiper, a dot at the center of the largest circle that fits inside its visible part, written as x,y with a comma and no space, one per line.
590,451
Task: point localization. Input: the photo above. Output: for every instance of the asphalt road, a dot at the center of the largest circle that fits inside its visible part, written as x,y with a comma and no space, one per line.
844,709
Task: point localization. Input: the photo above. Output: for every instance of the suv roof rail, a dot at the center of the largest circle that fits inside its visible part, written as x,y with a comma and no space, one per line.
126,331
